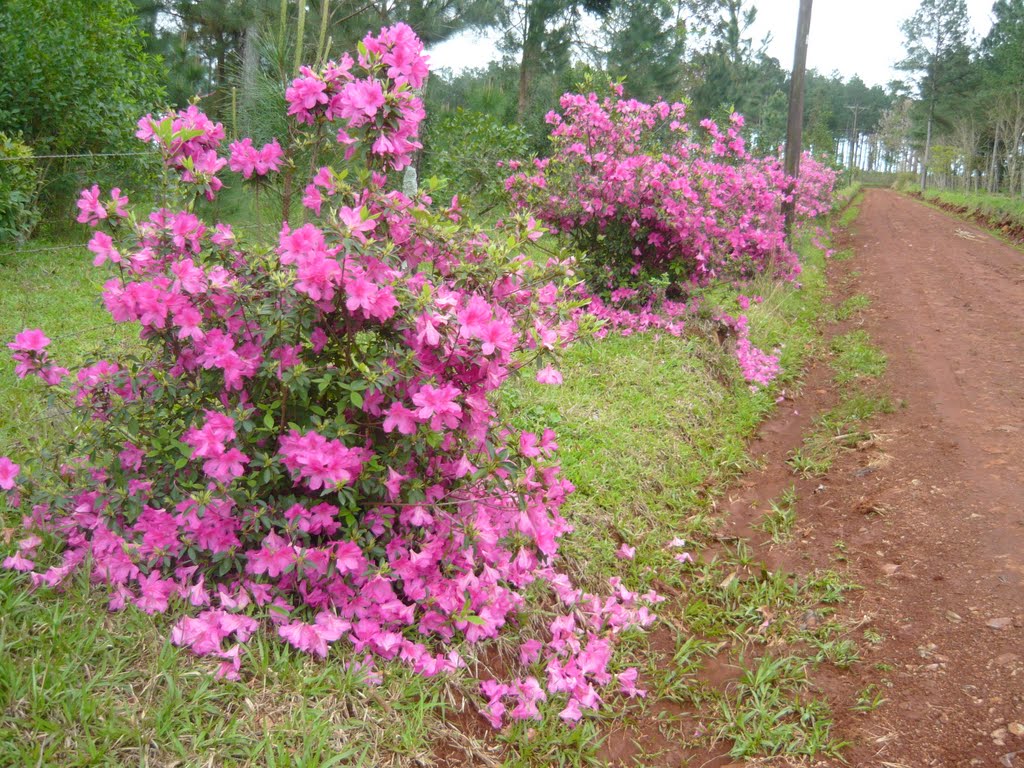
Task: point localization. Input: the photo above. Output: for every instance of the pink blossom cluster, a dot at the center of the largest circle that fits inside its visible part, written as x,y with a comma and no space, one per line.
372,97
188,141
92,209
31,358
247,160
575,660
309,441
641,192
758,367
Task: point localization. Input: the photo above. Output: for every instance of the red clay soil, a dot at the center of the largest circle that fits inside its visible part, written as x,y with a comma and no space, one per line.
943,566
932,512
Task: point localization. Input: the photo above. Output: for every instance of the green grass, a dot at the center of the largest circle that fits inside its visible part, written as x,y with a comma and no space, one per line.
770,712
852,210
651,429
50,286
991,206
841,427
856,358
852,307
778,522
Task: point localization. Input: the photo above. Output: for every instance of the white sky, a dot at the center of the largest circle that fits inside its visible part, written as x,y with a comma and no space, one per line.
855,37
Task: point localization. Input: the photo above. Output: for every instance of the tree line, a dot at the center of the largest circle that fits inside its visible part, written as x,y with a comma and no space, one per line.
75,73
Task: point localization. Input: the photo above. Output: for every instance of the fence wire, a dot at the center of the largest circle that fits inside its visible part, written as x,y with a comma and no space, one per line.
75,155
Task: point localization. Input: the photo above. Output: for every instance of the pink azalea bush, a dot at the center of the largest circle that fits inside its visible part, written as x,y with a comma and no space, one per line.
644,194
309,442
659,209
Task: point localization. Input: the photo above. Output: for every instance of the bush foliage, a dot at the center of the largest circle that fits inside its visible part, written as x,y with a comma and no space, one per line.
19,187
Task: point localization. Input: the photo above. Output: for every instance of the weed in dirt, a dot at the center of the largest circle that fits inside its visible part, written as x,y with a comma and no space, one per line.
836,429
843,653
841,551
873,636
855,358
768,712
678,681
852,306
829,587
549,742
869,699
778,522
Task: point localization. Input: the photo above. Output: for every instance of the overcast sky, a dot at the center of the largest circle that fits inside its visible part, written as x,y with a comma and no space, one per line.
855,37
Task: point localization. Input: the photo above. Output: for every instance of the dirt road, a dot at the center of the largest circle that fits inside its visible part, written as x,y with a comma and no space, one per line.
942,562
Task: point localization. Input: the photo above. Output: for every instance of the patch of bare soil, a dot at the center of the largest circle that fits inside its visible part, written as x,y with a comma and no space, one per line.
943,562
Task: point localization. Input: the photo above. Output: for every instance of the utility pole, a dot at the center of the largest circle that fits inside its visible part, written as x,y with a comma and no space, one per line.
856,109
795,127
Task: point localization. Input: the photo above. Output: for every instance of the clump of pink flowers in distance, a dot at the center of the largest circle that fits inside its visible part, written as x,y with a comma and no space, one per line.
661,209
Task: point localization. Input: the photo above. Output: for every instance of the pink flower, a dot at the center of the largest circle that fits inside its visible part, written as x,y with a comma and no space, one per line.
549,375
8,472
103,246
17,562
627,682
91,210
30,340
626,552
438,404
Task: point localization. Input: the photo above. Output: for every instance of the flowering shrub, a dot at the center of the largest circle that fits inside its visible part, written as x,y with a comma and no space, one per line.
309,440
642,195
659,209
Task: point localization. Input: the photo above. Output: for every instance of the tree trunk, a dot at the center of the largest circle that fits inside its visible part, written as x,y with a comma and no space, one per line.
927,149
532,42
250,65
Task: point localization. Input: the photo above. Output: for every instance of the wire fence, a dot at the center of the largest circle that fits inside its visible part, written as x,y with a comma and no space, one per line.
69,156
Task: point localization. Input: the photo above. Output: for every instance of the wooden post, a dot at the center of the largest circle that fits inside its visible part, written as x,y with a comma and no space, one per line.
795,128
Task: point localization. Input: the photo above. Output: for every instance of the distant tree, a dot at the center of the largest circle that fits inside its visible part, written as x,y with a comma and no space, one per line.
541,35
645,45
938,54
1002,100
731,73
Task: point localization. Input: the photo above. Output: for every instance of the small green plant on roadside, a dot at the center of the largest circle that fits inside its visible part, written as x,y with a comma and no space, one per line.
778,522
852,306
869,699
768,712
873,636
835,429
841,551
856,358
829,587
843,653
